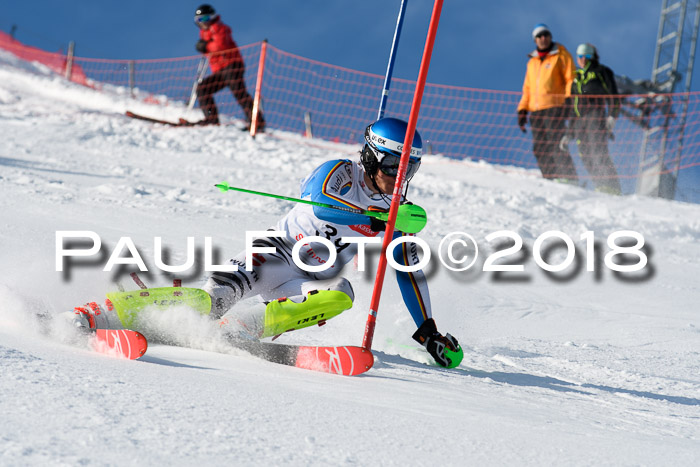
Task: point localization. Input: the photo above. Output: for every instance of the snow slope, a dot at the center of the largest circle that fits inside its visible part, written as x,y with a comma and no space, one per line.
583,368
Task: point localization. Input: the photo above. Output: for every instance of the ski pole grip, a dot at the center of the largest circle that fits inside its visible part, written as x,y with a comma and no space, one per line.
411,218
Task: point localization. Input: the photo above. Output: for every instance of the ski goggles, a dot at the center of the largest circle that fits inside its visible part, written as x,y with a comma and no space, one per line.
389,163
203,18
587,56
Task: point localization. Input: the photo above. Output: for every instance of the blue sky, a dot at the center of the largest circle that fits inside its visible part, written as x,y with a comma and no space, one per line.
478,45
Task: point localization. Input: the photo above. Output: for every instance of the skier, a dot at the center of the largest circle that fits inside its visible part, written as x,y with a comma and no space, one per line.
296,297
367,184
226,64
590,125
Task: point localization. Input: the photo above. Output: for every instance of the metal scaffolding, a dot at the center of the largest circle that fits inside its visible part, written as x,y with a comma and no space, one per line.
664,119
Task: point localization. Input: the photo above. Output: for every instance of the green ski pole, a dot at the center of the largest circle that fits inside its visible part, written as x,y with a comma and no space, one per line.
411,218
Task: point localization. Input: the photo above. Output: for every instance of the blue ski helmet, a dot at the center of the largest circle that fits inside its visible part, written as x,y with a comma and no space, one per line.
384,144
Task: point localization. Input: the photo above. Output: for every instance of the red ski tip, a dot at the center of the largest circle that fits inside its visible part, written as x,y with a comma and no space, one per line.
123,343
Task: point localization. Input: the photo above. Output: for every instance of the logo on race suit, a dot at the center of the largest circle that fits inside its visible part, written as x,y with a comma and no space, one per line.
345,188
364,230
341,179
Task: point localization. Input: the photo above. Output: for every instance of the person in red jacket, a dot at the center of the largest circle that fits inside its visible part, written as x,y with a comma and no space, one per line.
226,65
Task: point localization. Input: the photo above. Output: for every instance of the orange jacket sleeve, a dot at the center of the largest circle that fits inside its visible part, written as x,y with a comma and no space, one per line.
569,70
524,100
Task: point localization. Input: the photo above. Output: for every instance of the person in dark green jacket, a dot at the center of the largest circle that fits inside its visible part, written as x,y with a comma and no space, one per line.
592,109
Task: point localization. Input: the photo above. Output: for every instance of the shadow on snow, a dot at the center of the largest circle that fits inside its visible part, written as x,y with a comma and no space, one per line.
386,361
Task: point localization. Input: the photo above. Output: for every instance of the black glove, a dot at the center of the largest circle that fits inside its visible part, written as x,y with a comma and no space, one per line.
201,46
435,343
522,120
377,225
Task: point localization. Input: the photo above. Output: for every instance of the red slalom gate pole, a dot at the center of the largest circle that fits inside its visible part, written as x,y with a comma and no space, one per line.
258,88
401,176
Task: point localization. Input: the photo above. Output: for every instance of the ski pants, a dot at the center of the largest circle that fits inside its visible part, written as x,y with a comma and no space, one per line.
274,275
591,140
231,77
548,126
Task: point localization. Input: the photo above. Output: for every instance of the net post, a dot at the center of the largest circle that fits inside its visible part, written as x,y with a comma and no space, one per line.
258,88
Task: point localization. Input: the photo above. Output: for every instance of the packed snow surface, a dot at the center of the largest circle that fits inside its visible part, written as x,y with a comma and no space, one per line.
575,367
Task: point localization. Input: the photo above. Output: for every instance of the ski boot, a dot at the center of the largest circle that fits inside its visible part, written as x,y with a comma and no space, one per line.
317,307
129,304
84,316
91,316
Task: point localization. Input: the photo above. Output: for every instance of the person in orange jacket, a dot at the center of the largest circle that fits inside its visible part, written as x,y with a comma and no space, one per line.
550,73
226,64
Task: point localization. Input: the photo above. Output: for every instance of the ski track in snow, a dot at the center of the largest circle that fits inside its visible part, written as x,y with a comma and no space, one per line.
590,370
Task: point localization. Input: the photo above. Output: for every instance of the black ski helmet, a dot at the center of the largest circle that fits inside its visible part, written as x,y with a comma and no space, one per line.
204,10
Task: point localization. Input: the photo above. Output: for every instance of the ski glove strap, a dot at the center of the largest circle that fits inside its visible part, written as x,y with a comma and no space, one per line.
444,349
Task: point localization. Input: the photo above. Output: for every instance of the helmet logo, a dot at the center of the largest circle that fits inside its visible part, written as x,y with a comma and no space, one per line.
390,144
377,139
